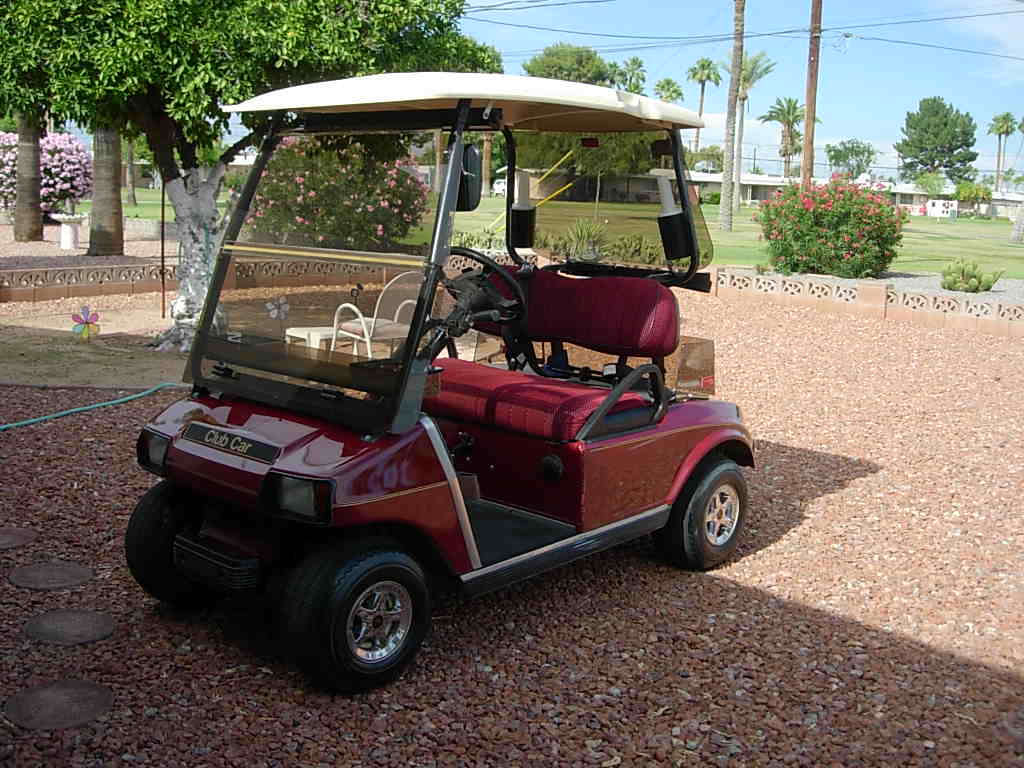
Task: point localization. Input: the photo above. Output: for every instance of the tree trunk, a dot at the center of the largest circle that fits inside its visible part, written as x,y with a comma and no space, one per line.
129,161
700,113
736,72
737,192
1017,236
28,215
486,171
785,151
200,227
438,153
106,227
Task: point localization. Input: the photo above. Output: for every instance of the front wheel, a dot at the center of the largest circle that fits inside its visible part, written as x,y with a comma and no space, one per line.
707,518
355,621
161,514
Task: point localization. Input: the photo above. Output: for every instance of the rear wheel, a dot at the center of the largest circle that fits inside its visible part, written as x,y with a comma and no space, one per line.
707,518
354,620
161,514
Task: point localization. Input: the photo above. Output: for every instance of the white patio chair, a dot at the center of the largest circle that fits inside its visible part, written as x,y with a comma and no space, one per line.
398,297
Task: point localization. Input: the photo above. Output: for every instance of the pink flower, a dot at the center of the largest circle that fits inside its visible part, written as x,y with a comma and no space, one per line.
380,229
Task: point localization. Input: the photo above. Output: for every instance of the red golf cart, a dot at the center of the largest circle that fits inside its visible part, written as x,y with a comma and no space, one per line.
377,414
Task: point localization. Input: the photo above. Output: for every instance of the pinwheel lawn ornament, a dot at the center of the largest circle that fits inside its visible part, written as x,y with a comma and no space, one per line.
86,323
278,310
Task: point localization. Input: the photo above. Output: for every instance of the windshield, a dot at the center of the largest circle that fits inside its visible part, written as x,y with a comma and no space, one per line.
323,280
599,197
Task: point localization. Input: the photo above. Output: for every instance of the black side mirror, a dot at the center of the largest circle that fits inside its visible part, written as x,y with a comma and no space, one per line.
471,183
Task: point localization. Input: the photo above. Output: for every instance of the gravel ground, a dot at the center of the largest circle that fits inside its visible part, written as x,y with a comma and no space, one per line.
873,617
48,254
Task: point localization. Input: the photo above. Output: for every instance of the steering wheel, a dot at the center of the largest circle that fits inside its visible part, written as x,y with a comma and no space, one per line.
474,292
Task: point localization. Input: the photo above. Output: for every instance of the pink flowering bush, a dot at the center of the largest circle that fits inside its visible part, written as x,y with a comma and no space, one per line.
65,170
839,228
343,198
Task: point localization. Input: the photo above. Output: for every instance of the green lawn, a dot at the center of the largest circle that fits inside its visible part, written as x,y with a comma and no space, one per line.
928,244
148,204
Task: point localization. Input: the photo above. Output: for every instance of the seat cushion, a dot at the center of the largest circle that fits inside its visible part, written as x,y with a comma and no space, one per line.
533,405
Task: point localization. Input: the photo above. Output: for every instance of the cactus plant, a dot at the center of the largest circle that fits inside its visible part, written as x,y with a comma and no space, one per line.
963,275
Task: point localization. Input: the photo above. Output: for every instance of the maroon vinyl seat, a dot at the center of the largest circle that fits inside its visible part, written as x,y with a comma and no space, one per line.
615,315
519,402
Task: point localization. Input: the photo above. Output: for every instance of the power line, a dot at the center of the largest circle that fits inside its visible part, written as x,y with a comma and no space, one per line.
936,47
729,36
524,5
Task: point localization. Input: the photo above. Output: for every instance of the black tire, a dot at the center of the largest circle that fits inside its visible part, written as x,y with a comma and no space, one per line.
318,615
685,540
160,515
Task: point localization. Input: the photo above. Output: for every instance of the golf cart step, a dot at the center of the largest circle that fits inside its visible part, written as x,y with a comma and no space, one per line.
502,532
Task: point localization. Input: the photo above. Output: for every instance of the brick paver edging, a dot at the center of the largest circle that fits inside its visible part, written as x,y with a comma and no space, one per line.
971,312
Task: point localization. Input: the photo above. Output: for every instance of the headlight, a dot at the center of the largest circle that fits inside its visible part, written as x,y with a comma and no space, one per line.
151,451
301,497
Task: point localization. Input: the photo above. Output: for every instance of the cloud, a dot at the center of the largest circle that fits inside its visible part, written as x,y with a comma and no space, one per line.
992,34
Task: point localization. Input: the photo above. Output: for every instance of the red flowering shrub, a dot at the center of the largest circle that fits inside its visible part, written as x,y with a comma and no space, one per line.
839,228
336,198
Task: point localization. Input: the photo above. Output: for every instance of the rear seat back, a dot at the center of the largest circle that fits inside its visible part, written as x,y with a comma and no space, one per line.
629,316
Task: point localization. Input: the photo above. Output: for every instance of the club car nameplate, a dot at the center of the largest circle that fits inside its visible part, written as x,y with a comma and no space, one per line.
229,443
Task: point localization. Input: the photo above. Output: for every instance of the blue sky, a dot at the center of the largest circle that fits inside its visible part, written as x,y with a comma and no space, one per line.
865,87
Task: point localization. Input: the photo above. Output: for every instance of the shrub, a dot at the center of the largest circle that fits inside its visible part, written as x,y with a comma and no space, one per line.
962,275
64,165
712,198
838,228
340,197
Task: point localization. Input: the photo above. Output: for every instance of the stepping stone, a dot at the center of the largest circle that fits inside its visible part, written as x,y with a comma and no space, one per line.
63,704
15,537
70,627
45,576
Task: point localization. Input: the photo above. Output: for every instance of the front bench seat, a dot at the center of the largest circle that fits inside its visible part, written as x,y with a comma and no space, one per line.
627,316
520,402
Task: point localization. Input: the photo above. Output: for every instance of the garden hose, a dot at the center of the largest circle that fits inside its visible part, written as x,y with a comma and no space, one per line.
84,408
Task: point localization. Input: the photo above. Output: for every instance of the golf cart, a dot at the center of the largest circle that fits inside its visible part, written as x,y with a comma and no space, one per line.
377,414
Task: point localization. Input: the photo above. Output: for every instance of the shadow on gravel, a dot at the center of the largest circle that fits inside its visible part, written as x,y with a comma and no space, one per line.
784,480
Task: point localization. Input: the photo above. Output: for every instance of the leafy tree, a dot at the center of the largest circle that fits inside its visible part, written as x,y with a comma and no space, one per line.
753,70
668,89
788,113
852,156
634,75
937,137
711,156
703,72
971,193
164,69
1002,125
8,124
930,183
576,63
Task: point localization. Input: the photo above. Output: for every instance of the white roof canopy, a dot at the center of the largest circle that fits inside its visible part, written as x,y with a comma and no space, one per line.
527,103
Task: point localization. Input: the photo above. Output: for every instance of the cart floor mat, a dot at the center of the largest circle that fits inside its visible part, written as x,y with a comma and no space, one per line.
502,532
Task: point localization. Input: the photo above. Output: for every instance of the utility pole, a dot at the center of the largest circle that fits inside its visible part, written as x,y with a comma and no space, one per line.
811,97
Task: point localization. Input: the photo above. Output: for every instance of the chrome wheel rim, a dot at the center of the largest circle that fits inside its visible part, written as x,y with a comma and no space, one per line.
721,515
379,621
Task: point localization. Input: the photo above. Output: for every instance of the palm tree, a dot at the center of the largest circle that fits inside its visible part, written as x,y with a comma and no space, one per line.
754,69
616,78
703,72
668,89
634,74
788,113
1002,125
106,227
725,209
28,215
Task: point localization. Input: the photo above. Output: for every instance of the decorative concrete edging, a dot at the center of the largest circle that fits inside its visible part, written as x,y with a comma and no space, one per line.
969,312
72,282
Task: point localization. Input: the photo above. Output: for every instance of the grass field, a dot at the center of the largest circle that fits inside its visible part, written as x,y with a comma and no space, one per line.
928,244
